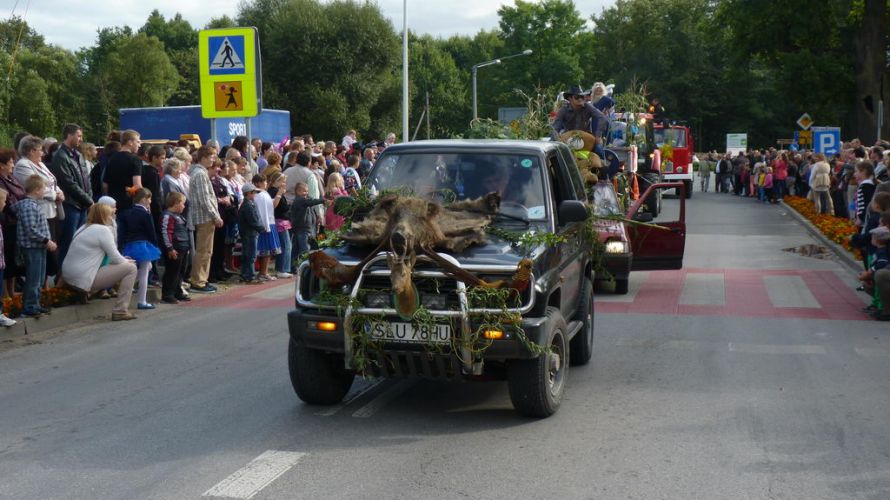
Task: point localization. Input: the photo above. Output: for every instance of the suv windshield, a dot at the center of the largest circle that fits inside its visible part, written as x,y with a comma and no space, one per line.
461,176
676,137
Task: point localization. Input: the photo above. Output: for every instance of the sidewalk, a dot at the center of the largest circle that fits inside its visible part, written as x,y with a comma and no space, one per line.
99,310
844,256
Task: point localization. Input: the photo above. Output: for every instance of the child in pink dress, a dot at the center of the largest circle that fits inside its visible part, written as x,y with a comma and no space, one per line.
334,190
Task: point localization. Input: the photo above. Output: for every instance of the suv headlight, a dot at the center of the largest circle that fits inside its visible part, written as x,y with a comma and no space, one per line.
616,246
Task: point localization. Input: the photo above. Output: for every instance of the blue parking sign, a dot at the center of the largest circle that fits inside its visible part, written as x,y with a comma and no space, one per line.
827,141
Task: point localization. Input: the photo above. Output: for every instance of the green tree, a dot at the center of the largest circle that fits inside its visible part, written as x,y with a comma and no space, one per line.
139,73
676,50
433,71
551,29
180,41
329,64
467,51
221,22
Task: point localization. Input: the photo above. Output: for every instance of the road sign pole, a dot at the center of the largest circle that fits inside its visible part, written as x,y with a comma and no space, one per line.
880,117
213,130
248,132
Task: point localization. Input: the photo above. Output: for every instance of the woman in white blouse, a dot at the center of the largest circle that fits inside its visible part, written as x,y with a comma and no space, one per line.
83,269
30,163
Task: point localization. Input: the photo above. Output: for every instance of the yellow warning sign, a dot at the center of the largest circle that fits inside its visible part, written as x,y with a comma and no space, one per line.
805,137
229,67
228,96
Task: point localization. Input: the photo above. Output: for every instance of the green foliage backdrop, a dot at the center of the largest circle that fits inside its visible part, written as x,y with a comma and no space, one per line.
722,65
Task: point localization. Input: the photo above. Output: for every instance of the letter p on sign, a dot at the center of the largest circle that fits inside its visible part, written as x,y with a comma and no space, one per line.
827,142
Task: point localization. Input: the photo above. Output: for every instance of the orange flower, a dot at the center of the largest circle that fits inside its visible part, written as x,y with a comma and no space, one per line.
836,229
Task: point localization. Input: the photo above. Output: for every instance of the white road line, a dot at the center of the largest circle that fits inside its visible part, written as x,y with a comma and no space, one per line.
789,291
704,289
380,401
327,412
871,352
253,477
776,349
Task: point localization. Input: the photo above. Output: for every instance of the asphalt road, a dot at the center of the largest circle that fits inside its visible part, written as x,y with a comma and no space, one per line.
749,374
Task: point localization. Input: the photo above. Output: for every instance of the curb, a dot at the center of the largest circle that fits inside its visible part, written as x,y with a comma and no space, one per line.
68,316
843,255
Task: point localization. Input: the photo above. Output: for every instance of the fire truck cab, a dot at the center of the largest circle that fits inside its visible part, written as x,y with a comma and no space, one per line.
677,149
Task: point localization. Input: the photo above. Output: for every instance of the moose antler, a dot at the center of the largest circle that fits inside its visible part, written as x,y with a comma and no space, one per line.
336,274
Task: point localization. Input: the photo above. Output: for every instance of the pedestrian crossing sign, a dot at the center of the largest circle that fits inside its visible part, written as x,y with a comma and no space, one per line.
227,55
230,72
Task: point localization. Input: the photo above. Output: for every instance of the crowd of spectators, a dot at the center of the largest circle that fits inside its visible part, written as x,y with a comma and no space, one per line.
103,222
853,184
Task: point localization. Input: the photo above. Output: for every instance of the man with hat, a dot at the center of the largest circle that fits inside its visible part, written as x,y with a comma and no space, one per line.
578,114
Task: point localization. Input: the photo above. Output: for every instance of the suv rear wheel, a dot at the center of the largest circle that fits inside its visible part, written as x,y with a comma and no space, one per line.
537,385
318,377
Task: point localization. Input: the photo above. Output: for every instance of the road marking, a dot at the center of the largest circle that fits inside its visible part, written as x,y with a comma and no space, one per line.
704,289
871,352
776,349
696,345
789,291
327,412
284,291
256,475
380,401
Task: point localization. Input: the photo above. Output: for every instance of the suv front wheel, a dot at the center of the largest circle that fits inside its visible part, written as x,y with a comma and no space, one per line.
537,385
318,377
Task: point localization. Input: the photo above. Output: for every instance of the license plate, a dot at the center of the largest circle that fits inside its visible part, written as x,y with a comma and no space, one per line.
409,333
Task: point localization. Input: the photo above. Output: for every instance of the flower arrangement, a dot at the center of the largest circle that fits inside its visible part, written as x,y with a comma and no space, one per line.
836,229
49,297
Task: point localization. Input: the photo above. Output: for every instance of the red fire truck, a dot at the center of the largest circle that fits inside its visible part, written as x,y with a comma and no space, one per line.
677,148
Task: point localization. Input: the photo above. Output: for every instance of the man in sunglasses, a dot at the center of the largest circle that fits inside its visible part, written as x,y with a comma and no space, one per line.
579,114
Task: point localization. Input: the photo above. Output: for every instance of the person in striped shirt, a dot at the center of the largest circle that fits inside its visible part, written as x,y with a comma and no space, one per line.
203,217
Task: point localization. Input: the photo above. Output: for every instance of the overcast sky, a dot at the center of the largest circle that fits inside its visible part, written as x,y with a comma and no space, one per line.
73,23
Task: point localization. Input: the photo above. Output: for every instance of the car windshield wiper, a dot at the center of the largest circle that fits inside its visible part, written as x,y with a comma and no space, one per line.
513,217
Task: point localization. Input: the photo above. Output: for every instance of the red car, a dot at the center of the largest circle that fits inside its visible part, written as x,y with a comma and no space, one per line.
636,247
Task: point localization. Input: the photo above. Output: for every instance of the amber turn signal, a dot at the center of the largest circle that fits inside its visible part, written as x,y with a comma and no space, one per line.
493,334
325,326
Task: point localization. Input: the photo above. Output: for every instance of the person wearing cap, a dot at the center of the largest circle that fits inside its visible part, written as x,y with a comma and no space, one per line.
877,274
578,114
250,226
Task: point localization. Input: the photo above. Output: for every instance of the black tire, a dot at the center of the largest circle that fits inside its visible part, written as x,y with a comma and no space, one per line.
318,377
621,286
688,189
581,345
537,385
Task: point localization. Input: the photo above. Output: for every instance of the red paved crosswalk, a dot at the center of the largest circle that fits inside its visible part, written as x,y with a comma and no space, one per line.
746,294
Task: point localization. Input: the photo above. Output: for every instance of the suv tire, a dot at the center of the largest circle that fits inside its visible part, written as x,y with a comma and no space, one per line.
581,345
537,385
621,286
318,377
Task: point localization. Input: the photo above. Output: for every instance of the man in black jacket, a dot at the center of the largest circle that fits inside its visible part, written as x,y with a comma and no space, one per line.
722,169
70,170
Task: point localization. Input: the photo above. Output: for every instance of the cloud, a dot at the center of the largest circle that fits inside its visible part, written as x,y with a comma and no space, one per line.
73,23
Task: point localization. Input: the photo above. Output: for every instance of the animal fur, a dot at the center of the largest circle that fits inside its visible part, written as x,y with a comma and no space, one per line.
407,225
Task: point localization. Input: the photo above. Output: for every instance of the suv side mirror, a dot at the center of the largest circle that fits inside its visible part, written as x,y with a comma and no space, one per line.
572,211
644,217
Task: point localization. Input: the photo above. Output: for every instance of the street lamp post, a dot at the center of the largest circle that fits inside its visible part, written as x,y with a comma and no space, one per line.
476,67
405,71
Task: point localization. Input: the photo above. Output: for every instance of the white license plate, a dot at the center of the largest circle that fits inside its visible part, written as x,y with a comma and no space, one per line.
409,333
